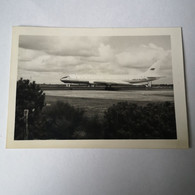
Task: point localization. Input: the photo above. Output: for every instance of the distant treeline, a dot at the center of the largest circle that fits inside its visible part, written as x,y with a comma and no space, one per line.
62,121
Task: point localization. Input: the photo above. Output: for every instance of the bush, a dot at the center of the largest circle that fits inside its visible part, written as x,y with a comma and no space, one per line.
94,128
130,121
60,121
63,121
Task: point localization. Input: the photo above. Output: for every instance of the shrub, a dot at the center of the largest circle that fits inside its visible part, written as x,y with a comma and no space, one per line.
130,121
60,121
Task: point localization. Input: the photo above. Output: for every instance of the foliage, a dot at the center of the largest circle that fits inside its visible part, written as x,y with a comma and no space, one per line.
94,128
121,121
28,96
60,121
130,121
63,121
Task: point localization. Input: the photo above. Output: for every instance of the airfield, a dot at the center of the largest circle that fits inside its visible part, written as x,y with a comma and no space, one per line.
98,101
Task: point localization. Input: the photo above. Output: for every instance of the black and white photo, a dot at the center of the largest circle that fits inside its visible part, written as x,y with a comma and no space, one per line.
97,88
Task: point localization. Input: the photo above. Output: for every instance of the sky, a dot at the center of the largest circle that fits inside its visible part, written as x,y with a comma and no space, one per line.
45,59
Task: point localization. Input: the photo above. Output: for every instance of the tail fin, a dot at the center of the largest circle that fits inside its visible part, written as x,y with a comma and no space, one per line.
154,70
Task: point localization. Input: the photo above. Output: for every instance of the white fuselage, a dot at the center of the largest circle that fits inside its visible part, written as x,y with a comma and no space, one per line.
106,80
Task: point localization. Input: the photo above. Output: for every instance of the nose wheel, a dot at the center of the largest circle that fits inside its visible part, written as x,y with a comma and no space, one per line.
149,84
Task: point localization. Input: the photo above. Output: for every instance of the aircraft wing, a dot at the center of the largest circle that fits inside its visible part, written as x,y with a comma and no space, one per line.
111,83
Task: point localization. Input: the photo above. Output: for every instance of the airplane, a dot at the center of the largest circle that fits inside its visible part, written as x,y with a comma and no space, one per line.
145,78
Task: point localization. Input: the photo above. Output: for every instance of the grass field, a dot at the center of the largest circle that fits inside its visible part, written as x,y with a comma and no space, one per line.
91,106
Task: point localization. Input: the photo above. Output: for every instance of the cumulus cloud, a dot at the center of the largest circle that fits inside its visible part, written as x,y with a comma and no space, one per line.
143,56
44,62
62,46
104,54
28,54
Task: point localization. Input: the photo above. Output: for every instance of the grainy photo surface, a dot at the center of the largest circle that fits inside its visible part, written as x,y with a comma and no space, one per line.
94,86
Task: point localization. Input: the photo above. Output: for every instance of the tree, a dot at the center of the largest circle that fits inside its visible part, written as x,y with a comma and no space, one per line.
28,96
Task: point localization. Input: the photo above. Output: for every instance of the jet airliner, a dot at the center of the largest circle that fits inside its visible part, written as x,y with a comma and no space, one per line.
145,78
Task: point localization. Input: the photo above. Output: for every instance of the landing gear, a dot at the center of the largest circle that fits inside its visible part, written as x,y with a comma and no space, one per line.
68,85
91,85
149,84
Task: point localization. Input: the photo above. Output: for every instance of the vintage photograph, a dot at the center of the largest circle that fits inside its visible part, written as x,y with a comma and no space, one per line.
97,85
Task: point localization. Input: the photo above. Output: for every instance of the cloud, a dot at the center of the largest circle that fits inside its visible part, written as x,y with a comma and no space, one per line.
144,56
104,54
62,46
40,77
28,54
44,62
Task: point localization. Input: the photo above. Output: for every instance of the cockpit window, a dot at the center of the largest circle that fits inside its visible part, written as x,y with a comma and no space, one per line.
66,77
